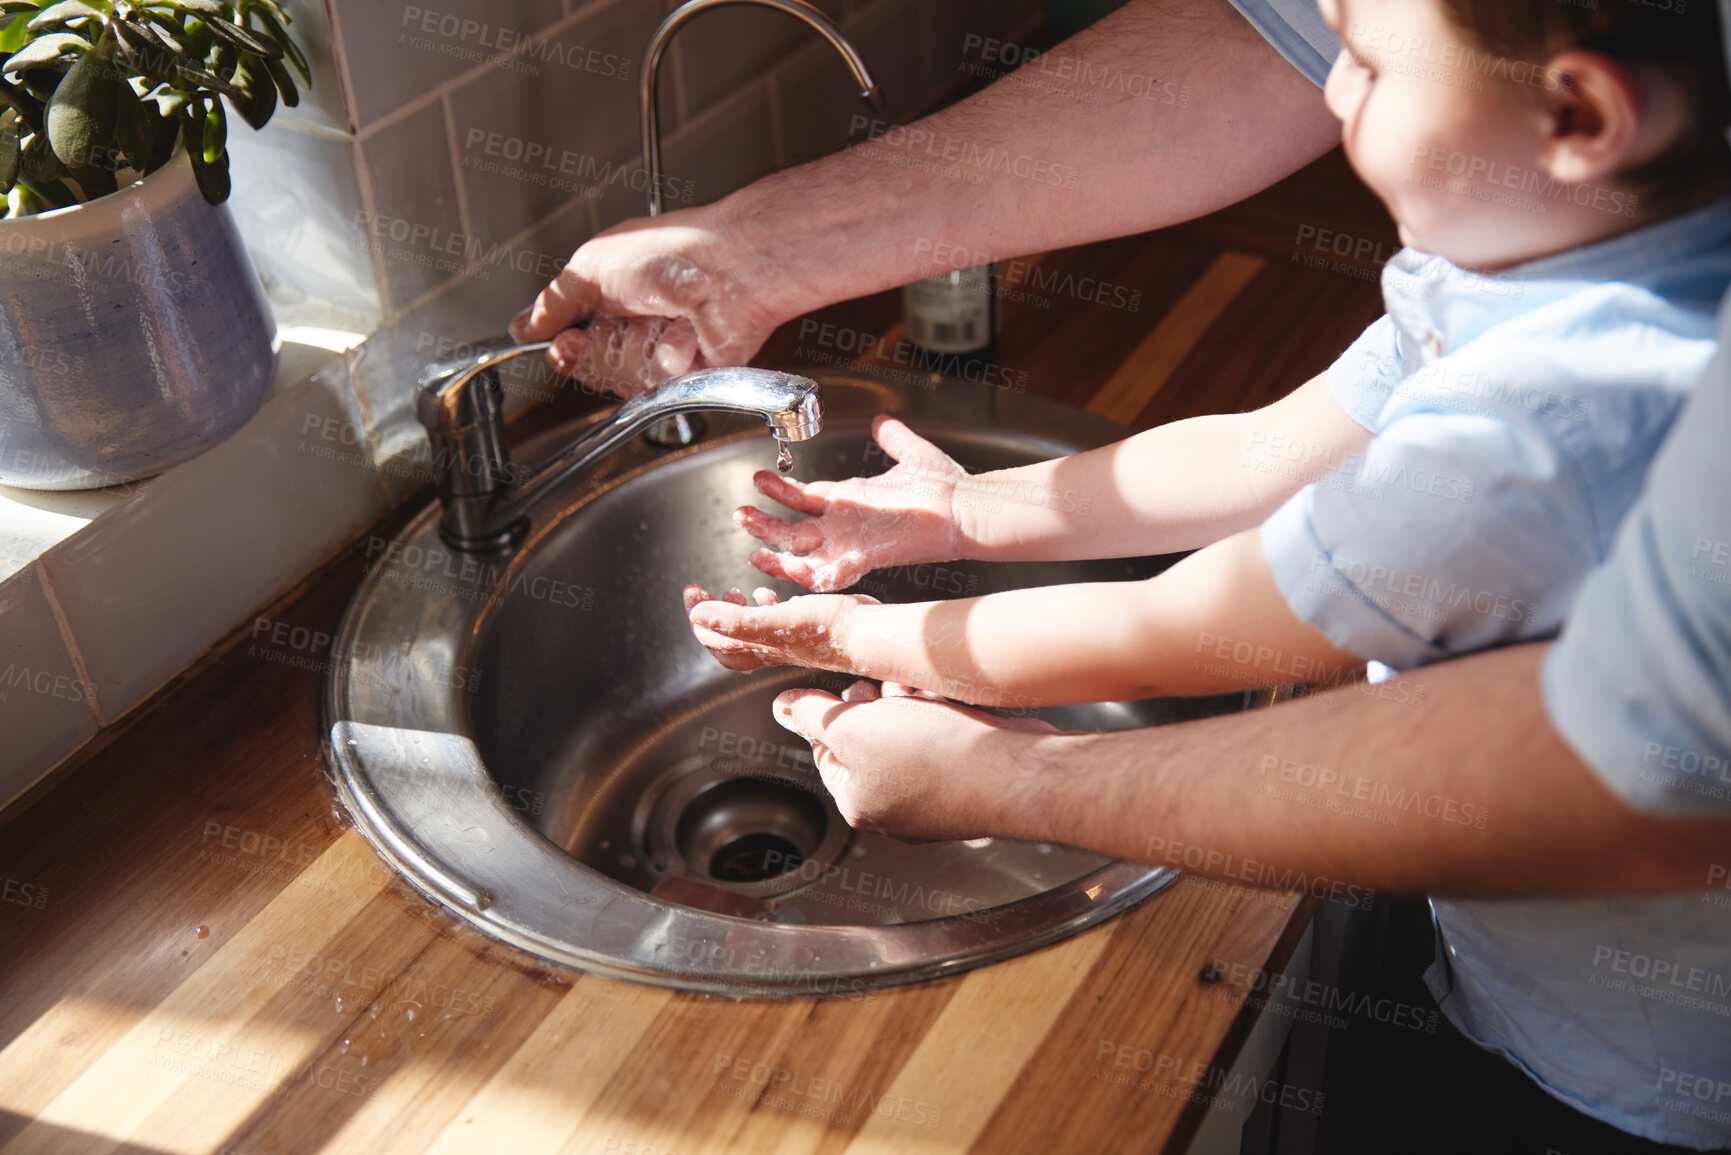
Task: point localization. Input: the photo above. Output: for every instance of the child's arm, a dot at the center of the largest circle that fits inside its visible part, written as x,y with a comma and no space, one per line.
1214,622
1177,487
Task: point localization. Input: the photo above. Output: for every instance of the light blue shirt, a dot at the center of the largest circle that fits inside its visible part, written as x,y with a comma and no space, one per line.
1516,417
1515,421
1297,31
1620,1007
1640,686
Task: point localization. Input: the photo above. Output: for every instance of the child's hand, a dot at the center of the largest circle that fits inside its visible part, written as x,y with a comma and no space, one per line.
899,518
801,632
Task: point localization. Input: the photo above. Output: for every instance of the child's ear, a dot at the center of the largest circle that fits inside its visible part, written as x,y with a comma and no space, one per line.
1594,104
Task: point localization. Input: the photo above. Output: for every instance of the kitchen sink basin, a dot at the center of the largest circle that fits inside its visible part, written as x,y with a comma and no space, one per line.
534,739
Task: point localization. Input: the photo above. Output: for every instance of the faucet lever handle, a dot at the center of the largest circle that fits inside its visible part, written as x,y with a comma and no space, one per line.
444,398
461,403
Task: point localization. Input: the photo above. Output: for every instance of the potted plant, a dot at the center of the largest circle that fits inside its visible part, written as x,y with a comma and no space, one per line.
133,331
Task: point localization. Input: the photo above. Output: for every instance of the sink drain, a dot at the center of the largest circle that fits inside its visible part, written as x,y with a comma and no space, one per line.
761,835
754,858
750,830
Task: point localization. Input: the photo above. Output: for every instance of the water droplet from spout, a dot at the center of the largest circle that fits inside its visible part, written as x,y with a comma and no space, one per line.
783,456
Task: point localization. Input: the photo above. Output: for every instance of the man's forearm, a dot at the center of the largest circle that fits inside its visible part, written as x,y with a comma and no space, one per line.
1403,788
1029,165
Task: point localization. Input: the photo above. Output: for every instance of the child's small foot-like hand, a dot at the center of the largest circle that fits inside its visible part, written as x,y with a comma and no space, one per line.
861,524
806,631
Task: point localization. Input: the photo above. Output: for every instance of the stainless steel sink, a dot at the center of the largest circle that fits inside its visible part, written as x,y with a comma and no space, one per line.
534,739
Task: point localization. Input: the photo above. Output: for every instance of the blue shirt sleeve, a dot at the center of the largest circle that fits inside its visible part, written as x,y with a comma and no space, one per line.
1640,681
1363,378
1297,31
1453,532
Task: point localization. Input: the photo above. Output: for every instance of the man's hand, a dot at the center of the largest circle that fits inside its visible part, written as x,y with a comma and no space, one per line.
910,764
705,286
902,517
807,631
662,297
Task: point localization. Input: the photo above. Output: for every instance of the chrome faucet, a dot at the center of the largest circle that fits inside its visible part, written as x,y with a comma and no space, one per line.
681,430
487,498
823,25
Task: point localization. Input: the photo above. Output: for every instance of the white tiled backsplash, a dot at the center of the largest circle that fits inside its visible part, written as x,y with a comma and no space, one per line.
467,126
374,209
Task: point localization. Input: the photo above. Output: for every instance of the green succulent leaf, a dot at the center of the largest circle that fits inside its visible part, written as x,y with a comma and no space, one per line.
46,50
95,180
212,176
144,49
284,82
87,93
172,31
85,110
11,129
14,28
136,129
169,100
40,83
20,101
214,133
51,193
200,8
291,51
260,104
151,61
38,162
199,78
245,39
62,14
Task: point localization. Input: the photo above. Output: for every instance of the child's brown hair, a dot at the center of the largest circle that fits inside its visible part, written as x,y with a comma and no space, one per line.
1685,39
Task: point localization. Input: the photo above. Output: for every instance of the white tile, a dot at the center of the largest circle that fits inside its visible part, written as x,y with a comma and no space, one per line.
149,586
398,52
321,104
44,712
528,138
416,222
296,203
33,520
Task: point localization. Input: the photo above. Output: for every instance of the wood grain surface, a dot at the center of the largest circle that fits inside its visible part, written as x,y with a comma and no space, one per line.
198,955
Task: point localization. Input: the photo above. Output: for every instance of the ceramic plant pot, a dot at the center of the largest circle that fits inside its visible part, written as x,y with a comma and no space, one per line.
133,335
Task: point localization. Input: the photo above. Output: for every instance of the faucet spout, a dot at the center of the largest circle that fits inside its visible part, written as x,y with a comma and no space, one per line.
487,498
870,90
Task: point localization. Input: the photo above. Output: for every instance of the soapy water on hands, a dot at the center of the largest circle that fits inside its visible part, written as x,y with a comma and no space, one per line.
802,632
650,315
903,516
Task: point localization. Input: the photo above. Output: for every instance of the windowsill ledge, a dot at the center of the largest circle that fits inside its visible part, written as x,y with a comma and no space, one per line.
33,521
105,594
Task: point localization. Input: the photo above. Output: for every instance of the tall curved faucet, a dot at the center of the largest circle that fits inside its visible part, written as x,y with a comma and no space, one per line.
485,496
869,88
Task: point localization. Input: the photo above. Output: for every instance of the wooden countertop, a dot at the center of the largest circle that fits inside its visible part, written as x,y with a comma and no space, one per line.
198,955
